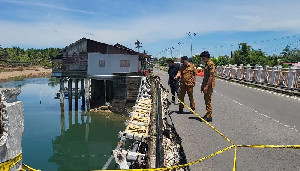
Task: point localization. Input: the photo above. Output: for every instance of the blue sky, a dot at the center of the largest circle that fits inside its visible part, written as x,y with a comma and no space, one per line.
159,24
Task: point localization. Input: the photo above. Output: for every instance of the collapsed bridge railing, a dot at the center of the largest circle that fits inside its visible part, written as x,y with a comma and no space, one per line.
136,132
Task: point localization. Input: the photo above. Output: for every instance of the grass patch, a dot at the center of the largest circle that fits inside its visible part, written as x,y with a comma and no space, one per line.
20,78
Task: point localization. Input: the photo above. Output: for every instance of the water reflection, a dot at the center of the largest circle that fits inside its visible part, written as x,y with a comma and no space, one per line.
85,145
55,140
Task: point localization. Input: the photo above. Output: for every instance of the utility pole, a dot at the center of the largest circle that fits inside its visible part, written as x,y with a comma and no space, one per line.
138,45
180,44
191,35
171,48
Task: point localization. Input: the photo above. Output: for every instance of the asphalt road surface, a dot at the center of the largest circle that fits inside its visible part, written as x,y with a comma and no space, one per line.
246,116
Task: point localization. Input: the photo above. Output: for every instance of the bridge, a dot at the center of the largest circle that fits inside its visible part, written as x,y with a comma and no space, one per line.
246,115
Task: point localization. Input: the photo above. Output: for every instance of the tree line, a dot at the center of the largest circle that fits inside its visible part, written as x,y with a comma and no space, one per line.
31,56
245,54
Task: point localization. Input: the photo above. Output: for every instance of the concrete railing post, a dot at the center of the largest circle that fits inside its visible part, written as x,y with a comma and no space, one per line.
259,72
279,75
239,70
273,76
13,126
291,78
233,71
266,74
248,67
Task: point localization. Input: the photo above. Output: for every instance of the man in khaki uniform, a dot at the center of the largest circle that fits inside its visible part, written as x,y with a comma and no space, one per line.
208,83
187,72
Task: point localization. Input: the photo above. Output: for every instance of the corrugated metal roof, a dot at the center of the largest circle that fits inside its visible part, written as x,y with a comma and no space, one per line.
88,45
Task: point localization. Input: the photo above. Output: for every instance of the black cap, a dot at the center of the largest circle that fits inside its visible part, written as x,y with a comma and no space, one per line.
170,60
184,58
205,54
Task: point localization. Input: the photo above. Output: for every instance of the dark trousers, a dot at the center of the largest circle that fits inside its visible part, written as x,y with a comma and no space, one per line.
174,89
189,90
207,99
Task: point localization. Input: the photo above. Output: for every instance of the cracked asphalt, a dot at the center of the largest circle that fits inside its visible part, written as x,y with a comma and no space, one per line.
246,116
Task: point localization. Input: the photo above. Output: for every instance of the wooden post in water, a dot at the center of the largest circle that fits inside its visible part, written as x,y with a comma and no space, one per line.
104,82
87,128
62,124
76,116
87,93
70,118
62,95
70,94
82,95
76,94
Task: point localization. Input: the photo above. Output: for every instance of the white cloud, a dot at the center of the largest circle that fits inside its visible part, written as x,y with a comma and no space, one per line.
45,5
60,31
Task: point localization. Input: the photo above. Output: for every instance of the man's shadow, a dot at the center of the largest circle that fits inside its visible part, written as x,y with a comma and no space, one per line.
195,118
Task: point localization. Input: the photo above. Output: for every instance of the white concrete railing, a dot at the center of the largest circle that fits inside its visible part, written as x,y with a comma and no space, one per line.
273,76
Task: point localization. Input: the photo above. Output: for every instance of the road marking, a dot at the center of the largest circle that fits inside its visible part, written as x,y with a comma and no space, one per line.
274,120
269,91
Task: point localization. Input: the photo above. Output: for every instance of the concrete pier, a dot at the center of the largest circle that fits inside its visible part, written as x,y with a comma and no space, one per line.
12,121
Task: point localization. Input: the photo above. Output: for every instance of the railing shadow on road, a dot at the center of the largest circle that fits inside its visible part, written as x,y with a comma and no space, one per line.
183,113
195,118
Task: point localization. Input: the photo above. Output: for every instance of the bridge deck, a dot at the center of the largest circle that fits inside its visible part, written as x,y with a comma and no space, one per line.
246,116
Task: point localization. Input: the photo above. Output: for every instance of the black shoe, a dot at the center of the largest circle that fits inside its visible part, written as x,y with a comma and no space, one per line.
207,119
180,111
191,111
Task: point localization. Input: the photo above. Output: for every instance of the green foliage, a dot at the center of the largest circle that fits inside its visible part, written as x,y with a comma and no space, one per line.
20,78
197,60
247,55
290,56
163,61
221,60
19,56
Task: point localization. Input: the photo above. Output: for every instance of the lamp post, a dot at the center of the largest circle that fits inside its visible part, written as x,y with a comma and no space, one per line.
191,35
180,44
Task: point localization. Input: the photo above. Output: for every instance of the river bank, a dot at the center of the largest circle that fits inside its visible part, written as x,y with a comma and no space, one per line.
20,73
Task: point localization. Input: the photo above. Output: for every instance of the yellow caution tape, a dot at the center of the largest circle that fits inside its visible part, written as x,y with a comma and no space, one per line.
218,152
185,165
271,146
234,158
26,167
202,118
10,163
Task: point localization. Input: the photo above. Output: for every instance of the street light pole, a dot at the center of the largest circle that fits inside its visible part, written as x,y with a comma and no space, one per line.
180,44
191,35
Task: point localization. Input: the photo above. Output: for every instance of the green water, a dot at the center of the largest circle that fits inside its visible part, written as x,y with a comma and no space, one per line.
63,141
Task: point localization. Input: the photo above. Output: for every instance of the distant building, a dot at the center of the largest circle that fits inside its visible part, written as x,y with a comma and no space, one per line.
112,72
87,57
